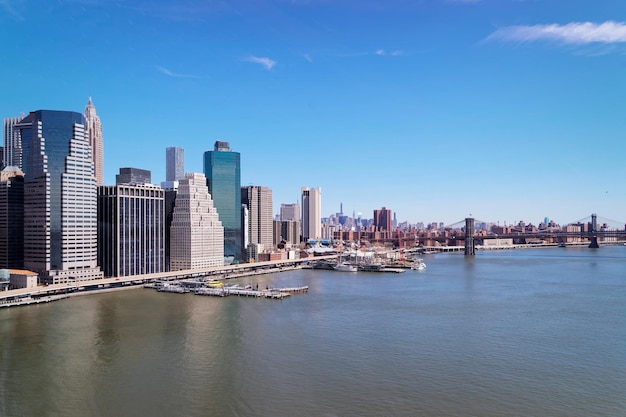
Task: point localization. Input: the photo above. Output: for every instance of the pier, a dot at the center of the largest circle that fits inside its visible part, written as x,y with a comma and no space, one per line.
236,290
24,301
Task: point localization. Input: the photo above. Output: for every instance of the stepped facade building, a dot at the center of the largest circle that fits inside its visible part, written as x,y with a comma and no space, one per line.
196,232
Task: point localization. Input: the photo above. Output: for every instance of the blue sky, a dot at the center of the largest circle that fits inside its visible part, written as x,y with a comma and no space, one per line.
507,110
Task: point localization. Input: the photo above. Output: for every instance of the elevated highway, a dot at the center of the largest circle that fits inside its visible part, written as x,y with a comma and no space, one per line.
221,272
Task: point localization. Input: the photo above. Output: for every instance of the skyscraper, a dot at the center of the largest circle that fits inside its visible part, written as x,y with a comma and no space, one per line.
133,176
131,229
311,213
60,206
174,164
11,218
223,172
197,235
93,132
12,142
382,220
258,200
290,212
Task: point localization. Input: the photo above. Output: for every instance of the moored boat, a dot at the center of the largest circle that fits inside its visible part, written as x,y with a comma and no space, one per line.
418,265
345,267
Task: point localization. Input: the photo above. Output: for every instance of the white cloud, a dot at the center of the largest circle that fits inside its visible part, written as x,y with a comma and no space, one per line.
267,63
173,74
571,33
307,57
380,52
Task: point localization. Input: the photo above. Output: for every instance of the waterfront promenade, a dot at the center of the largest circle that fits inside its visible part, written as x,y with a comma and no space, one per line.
108,284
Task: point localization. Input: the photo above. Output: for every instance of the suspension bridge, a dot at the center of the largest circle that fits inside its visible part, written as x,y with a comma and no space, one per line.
583,230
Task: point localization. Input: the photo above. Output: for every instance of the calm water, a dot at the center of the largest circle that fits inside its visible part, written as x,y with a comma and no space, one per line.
515,333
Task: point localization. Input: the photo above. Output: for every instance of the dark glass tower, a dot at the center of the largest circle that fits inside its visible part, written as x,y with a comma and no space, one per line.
223,172
11,218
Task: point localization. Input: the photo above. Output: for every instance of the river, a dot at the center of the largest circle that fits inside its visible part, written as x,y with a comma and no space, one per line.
536,332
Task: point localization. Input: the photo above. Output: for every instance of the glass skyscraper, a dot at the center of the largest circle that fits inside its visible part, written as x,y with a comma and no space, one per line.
223,172
60,204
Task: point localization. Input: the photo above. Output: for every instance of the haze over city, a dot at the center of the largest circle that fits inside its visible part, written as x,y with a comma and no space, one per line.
438,109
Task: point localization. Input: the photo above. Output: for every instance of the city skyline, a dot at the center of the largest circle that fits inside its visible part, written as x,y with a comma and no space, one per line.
499,110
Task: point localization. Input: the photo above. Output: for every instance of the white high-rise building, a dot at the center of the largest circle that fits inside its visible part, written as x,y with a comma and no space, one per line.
258,200
196,233
311,213
93,132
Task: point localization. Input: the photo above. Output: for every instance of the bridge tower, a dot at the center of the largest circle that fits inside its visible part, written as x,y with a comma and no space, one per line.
469,237
593,239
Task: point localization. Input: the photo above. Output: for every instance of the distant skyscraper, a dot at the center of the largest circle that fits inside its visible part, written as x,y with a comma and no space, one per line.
60,204
12,143
382,220
197,235
258,200
93,132
11,218
223,172
311,213
133,176
290,212
131,229
174,164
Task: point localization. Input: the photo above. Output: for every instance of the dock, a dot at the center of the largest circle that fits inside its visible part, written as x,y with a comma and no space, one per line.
24,301
236,290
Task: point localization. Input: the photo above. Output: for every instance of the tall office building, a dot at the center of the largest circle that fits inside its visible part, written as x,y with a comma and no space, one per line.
197,235
290,231
60,203
93,132
311,213
12,155
290,212
11,218
382,220
133,176
223,172
171,189
258,201
131,229
174,164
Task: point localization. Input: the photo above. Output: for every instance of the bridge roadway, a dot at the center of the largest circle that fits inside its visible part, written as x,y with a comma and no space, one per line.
221,272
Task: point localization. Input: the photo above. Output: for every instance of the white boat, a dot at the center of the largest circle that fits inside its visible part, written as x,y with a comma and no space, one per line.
418,265
345,267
